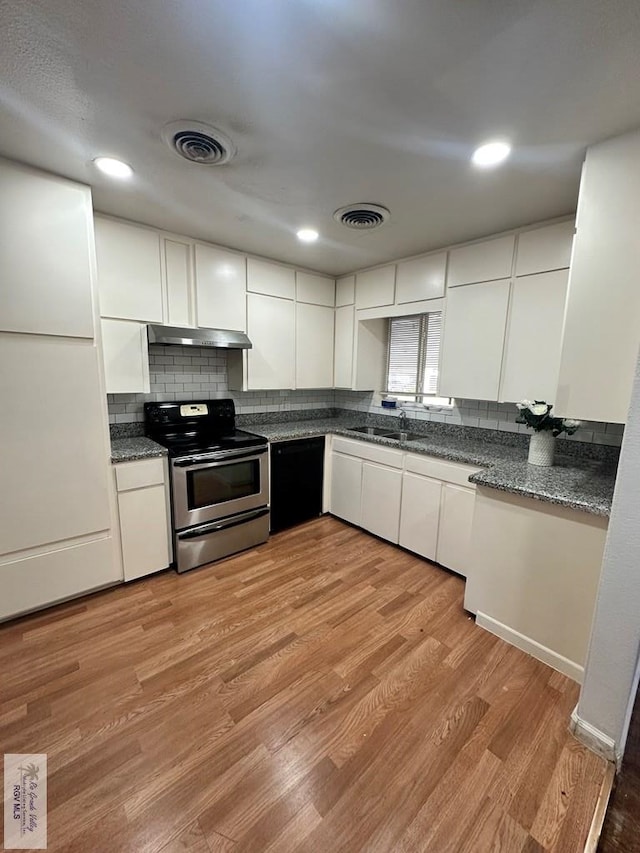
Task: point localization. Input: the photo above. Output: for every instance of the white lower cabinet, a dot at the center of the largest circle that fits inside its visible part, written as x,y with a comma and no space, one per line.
381,490
126,357
424,504
454,529
420,514
437,511
346,488
143,507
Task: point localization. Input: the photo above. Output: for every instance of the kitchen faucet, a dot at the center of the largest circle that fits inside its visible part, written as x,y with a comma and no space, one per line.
403,420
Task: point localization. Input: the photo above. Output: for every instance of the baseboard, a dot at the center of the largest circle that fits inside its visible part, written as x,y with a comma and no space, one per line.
526,644
592,737
597,822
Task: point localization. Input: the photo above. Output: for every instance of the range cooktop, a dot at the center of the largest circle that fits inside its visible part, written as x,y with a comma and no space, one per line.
191,427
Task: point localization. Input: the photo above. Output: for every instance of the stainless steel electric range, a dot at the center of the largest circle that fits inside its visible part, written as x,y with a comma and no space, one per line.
219,479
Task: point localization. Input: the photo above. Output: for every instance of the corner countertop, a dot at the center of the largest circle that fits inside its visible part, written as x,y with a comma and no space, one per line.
138,447
581,484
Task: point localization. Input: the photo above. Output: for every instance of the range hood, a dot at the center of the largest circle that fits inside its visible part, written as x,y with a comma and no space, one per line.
219,338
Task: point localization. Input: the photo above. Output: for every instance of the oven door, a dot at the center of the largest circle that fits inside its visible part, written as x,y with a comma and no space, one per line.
229,483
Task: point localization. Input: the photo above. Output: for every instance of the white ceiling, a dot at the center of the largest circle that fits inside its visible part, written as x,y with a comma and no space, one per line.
329,102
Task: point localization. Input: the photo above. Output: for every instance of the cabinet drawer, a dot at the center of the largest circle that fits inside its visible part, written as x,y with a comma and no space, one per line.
139,474
440,469
370,452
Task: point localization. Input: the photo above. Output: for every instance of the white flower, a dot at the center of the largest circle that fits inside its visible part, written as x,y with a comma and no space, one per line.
525,404
538,408
569,423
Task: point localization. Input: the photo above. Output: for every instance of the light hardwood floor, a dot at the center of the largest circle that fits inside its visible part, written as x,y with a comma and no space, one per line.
325,692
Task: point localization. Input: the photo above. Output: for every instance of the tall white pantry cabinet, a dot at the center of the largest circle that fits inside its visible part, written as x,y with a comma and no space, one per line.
56,515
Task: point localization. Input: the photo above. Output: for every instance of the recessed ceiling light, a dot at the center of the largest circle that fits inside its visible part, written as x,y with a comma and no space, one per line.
491,153
307,235
114,168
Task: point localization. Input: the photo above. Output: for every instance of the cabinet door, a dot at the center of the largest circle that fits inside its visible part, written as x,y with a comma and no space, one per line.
221,283
343,359
126,357
602,321
316,289
345,290
375,288
129,274
420,514
314,346
54,443
177,264
486,261
534,337
45,254
421,278
270,279
144,531
544,249
271,328
346,488
381,491
454,531
474,331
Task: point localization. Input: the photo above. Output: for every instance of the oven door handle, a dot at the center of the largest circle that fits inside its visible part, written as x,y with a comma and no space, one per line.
216,527
212,461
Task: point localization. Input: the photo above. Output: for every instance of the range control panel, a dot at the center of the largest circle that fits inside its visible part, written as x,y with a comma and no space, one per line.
194,410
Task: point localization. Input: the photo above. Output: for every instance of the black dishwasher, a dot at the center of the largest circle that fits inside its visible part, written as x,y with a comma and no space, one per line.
297,469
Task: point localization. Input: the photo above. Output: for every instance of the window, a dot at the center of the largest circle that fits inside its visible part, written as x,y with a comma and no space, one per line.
413,357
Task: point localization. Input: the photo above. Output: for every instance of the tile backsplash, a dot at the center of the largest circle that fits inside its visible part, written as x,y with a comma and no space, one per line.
194,373
191,373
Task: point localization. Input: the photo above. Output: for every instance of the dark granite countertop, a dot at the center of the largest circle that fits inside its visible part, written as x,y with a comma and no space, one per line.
135,447
578,483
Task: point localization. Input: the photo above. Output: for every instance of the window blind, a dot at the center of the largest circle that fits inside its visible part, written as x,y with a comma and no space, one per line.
414,354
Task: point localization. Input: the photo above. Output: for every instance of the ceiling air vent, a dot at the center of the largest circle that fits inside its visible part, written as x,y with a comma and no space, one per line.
198,142
362,217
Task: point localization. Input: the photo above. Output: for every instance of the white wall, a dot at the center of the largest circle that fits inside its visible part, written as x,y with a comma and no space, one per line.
608,687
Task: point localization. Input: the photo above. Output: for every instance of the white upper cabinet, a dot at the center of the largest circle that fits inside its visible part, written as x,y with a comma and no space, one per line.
421,278
46,254
474,331
271,328
602,320
345,290
315,289
221,279
126,357
375,288
343,359
270,279
544,249
177,265
534,337
129,271
314,346
486,261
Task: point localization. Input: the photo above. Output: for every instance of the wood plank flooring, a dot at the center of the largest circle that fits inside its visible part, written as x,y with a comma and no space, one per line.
325,692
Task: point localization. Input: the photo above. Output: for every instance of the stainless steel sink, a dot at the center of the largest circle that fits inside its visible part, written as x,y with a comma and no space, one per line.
367,430
404,436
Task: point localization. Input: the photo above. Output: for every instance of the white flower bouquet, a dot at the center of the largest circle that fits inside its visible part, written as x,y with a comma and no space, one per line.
536,414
